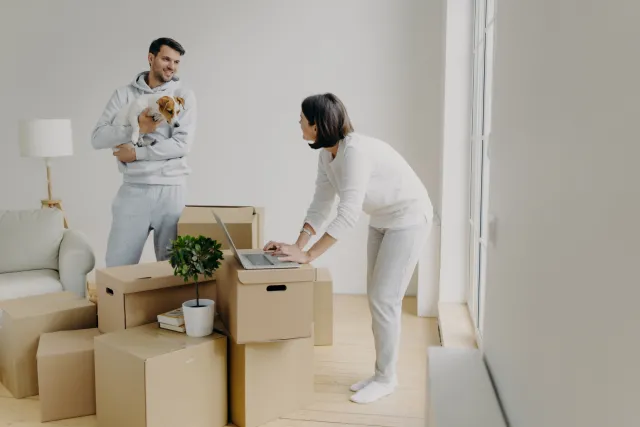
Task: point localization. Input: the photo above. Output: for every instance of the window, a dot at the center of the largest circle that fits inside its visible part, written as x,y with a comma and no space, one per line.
484,13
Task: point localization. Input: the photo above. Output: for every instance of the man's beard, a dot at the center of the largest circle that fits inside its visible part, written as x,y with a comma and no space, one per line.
160,76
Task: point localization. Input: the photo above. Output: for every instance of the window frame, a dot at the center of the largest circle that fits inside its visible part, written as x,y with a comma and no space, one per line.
479,164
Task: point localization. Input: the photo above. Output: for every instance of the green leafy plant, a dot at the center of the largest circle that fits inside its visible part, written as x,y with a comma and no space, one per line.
193,256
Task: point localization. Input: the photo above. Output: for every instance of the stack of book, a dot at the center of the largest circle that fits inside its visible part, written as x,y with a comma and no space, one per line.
172,320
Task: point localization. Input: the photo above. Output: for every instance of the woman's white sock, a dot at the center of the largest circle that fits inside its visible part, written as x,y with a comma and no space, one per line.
361,384
372,392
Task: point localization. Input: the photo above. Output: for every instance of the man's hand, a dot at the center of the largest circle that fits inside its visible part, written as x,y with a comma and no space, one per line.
146,122
126,153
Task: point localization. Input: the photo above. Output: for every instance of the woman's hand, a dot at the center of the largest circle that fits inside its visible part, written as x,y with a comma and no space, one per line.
293,253
272,246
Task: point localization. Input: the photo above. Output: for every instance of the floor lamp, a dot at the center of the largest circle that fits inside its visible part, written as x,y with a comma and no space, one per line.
47,138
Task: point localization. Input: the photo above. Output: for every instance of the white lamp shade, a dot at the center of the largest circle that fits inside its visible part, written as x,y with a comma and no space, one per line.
46,138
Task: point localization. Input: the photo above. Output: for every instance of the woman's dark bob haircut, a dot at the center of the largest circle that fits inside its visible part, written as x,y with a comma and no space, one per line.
329,114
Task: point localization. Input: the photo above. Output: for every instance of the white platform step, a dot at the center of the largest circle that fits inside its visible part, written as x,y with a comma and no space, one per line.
460,390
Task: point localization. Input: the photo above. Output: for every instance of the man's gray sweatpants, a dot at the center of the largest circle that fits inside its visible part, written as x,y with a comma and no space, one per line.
136,210
391,259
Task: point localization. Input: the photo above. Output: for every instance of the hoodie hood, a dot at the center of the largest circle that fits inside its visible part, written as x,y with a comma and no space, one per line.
140,84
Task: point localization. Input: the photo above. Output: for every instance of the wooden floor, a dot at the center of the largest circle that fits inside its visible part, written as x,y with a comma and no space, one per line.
350,359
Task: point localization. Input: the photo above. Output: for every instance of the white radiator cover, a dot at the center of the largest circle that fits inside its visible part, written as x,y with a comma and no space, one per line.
460,392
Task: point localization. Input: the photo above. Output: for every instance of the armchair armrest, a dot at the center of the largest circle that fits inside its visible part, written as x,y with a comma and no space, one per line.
76,260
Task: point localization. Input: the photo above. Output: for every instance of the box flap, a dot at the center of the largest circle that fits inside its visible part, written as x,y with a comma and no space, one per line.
305,273
244,223
202,214
65,342
143,277
323,274
148,270
195,215
39,305
236,214
147,341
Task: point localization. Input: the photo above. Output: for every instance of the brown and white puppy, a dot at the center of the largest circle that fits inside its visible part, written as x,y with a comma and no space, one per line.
161,107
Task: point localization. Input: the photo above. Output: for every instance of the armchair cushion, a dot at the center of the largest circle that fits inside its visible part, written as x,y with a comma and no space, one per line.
30,239
76,261
27,283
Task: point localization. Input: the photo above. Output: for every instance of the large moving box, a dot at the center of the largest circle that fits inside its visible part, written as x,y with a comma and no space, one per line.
150,377
245,224
134,295
269,380
265,305
323,307
22,321
66,375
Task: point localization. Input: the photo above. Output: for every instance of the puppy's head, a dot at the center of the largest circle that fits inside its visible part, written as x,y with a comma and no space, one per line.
170,107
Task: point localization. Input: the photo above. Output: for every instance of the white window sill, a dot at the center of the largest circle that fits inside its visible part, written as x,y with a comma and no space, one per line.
456,326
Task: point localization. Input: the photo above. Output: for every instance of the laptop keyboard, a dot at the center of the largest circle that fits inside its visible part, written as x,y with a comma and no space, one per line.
258,259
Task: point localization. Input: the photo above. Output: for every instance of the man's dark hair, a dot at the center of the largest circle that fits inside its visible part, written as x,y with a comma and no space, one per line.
329,114
165,41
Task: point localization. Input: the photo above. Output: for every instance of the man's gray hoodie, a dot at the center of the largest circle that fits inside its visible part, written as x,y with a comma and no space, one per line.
163,162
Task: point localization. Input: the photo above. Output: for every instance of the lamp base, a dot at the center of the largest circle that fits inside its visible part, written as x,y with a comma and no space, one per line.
55,204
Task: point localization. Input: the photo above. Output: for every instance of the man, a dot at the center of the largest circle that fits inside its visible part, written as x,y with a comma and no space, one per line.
153,193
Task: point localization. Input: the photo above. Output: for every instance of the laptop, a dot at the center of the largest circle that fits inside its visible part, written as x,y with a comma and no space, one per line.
254,259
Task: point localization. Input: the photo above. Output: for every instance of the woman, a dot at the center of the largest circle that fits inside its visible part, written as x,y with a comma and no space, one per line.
366,174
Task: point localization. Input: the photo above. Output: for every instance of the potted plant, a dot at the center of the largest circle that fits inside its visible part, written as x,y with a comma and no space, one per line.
193,257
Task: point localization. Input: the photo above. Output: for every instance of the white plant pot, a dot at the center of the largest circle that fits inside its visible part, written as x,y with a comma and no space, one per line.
198,321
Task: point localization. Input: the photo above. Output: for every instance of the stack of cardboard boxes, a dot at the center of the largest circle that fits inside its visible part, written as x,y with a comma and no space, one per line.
269,316
23,321
113,360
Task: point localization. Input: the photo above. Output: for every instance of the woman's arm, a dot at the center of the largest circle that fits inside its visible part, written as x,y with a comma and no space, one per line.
320,247
357,166
323,200
305,236
356,171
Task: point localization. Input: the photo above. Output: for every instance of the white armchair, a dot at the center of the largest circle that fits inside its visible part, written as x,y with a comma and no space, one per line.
38,255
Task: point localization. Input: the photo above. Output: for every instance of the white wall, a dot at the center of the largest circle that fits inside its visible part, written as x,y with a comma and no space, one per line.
562,319
251,63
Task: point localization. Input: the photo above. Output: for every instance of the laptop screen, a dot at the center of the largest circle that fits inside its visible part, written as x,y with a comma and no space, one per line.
226,232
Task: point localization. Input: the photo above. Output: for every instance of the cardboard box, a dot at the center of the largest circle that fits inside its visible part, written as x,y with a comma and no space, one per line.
245,224
134,295
265,305
323,307
269,380
22,321
150,377
66,375
91,292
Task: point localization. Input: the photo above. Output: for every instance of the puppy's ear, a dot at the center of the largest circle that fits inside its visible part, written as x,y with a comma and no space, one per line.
180,101
162,102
